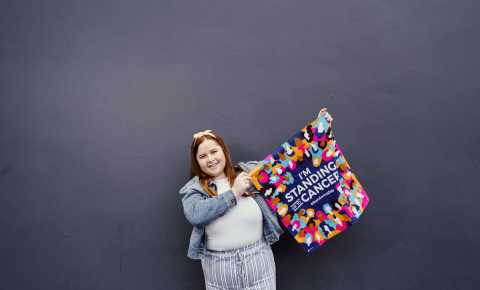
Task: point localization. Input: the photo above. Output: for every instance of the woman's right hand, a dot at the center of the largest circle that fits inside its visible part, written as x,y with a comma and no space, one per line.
242,182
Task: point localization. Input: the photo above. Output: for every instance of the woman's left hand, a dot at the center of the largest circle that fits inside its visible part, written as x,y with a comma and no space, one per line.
327,115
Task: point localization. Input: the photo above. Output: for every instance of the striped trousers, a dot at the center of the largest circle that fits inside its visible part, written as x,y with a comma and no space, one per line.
250,267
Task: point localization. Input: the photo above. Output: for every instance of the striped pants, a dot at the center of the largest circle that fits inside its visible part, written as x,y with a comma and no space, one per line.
249,267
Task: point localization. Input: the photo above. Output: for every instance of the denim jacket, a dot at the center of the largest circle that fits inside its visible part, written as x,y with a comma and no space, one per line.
200,209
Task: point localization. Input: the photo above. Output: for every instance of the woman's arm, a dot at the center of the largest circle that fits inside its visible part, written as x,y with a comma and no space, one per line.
201,210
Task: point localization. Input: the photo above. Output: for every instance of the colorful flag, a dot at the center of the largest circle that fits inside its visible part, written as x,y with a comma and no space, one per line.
308,182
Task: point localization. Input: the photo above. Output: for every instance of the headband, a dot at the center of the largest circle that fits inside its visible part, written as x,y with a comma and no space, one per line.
202,133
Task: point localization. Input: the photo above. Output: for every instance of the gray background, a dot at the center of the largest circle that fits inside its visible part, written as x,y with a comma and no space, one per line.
99,101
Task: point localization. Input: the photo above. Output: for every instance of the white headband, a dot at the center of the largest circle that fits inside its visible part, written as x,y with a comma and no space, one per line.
202,133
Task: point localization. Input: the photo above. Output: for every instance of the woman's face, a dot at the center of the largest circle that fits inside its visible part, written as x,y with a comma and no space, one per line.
211,158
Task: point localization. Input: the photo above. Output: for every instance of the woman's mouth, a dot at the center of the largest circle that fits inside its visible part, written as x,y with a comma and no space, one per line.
213,166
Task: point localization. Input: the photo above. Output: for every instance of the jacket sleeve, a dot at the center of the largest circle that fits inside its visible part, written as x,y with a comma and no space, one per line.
201,210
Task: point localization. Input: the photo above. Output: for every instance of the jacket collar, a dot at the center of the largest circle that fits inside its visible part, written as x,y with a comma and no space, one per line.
194,183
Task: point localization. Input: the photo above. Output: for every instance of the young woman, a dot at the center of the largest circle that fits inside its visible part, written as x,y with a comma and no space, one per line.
233,227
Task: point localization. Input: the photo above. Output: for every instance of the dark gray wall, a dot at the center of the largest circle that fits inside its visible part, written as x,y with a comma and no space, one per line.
99,100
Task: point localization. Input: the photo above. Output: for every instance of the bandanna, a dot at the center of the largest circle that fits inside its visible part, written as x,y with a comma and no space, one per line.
308,182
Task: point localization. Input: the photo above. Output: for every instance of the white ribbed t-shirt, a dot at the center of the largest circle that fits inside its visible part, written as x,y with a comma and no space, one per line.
242,224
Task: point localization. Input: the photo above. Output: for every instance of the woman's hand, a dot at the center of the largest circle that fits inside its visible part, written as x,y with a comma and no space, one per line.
327,115
242,182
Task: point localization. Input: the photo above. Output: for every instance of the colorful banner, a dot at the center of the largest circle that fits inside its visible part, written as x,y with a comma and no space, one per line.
308,182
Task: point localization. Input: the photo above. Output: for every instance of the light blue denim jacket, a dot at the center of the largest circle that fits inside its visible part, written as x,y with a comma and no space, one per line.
200,209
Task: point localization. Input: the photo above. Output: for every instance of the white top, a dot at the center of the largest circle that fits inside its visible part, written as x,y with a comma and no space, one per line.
241,224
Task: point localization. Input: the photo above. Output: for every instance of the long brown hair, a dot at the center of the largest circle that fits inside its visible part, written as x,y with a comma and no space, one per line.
195,169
